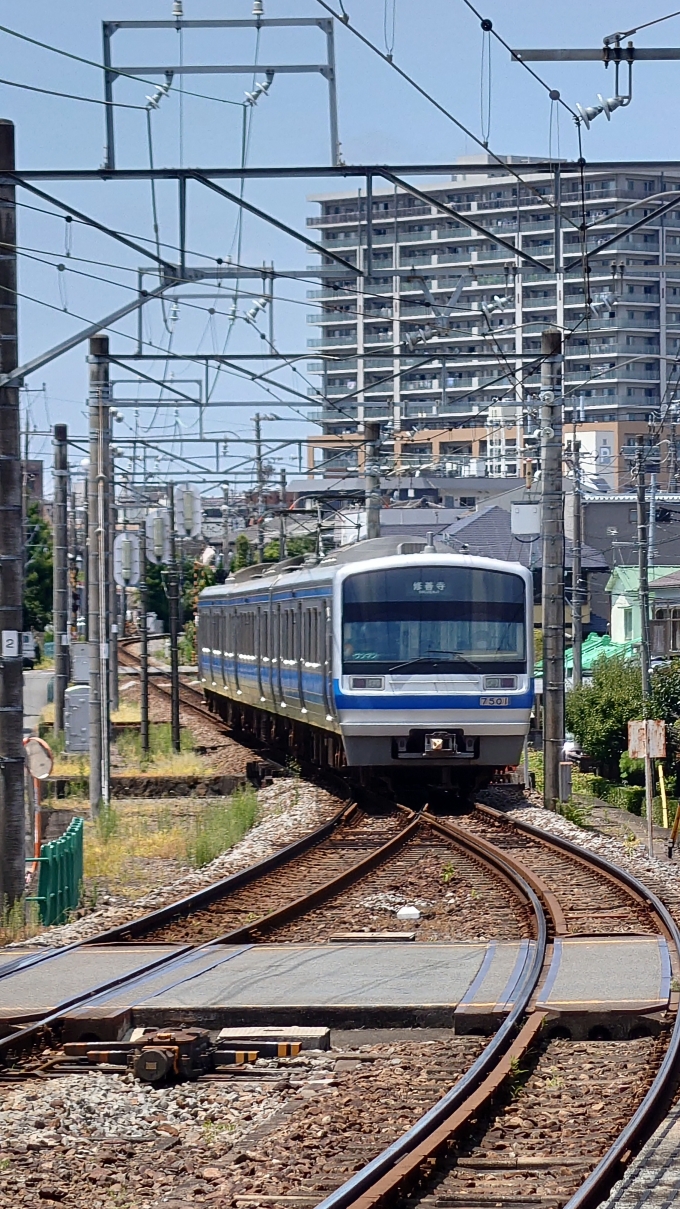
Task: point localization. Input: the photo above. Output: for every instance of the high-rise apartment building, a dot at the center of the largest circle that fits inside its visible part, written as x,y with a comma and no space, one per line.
440,344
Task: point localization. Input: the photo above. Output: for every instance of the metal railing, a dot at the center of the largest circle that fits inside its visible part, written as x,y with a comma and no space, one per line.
61,875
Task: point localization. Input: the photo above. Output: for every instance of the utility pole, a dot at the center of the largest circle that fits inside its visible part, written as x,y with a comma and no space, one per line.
12,842
73,563
372,478
282,517
553,563
143,643
97,603
110,513
576,582
651,543
259,469
173,602
643,601
60,599
86,560
225,529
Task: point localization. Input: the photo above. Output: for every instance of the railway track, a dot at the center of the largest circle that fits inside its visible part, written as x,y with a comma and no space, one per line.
513,1103
190,698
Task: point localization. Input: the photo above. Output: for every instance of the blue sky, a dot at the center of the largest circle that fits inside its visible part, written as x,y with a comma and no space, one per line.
382,119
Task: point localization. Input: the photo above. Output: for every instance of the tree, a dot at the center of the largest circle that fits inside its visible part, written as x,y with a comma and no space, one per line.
243,555
156,595
294,546
598,713
39,571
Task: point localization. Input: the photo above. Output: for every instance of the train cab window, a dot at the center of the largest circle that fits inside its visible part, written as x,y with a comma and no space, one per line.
437,619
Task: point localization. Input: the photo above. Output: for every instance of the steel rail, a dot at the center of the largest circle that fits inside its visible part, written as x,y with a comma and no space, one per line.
655,1103
482,1067
137,928
22,1038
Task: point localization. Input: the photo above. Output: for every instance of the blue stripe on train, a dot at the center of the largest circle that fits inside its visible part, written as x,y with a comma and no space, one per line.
430,701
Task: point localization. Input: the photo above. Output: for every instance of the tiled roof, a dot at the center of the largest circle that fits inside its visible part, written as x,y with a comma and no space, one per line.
487,533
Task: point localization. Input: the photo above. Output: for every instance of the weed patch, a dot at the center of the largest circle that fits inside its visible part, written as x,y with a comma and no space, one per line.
221,825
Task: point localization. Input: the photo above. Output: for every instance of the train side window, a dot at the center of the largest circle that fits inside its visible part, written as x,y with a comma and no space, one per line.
264,635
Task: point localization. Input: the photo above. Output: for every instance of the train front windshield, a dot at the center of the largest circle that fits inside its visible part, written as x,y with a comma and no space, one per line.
434,619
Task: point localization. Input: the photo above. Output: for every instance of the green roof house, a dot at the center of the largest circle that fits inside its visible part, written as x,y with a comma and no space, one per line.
623,583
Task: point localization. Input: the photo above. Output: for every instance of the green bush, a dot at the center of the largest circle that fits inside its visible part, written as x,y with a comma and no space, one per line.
243,554
600,787
632,771
627,797
598,713
672,804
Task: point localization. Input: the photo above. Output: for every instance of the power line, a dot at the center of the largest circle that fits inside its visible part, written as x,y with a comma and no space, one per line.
67,54
68,96
488,28
344,19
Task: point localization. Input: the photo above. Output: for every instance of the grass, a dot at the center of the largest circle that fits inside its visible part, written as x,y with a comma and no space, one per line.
128,711
19,922
221,826
127,755
132,847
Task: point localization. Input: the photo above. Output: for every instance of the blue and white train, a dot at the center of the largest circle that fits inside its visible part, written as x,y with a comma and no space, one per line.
385,655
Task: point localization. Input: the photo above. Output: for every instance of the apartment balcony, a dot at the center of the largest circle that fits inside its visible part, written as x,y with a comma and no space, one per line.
343,239
319,317
333,341
348,292
353,216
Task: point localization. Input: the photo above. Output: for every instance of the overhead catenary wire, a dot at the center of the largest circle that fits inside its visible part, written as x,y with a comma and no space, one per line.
502,163
488,27
68,96
67,54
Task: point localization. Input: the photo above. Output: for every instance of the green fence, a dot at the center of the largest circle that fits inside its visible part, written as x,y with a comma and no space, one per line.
61,875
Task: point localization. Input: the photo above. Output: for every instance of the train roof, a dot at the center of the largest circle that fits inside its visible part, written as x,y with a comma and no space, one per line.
303,568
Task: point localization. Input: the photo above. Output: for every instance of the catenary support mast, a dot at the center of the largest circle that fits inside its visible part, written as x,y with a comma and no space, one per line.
552,523
11,555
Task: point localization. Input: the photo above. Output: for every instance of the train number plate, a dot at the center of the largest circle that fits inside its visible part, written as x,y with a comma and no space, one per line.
494,700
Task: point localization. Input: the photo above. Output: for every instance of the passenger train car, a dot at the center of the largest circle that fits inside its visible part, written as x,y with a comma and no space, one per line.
386,655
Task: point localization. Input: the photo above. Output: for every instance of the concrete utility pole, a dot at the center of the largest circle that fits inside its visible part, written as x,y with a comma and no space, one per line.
113,610
225,529
651,542
173,603
372,477
553,564
643,601
60,574
97,603
282,518
143,643
12,846
576,577
259,469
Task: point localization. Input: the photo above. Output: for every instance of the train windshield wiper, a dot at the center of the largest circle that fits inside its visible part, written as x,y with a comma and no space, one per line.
454,656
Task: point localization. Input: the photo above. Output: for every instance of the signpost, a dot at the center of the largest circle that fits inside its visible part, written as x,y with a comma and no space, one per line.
647,741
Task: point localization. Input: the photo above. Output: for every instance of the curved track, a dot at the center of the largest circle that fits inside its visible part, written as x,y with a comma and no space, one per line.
451,1154
430,1164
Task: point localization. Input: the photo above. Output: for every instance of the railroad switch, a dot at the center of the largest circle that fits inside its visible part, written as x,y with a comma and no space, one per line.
176,1053
173,1055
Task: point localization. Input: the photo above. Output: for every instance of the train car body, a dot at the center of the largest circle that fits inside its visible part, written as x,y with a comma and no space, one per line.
385,654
